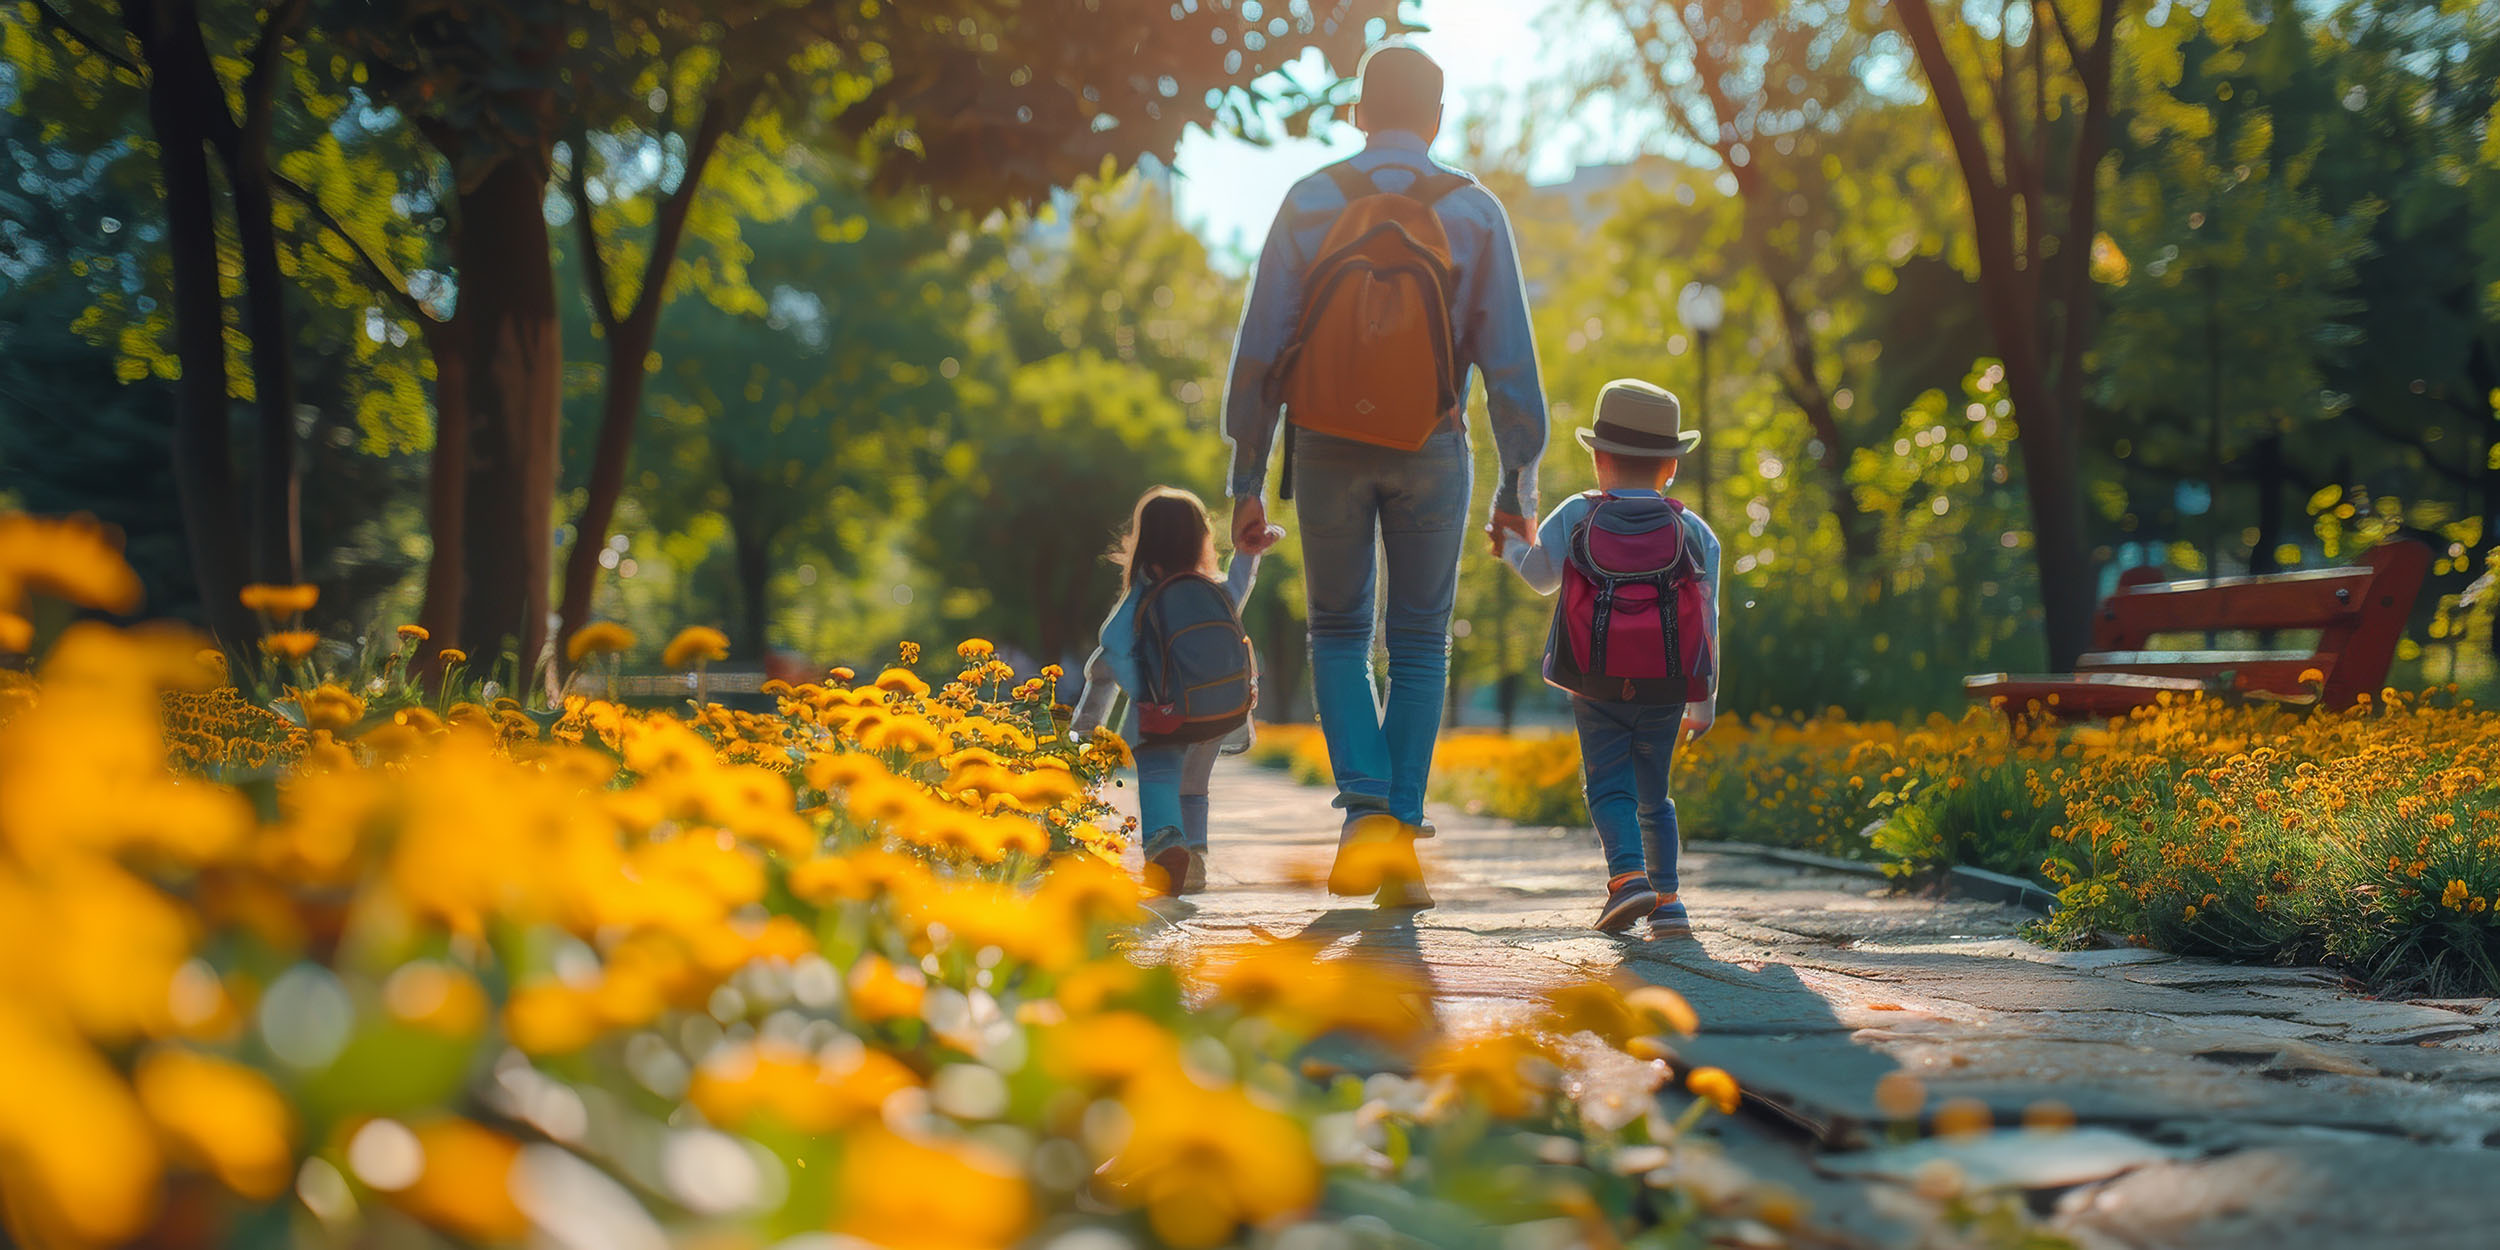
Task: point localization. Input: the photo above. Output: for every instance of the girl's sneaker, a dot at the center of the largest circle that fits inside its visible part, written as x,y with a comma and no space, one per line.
1670,919
1629,900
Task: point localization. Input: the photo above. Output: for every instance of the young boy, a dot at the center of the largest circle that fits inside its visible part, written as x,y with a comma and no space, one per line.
1635,639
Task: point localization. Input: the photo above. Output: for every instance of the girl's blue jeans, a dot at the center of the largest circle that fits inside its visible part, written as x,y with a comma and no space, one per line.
1626,750
1172,794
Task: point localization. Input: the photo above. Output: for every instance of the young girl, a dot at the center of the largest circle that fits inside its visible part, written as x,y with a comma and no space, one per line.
1169,533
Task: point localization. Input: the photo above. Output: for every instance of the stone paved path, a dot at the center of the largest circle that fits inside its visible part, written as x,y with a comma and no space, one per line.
2225,1105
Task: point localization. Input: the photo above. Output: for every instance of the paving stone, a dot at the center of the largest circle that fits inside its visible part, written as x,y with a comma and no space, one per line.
2382,1195
2015,1158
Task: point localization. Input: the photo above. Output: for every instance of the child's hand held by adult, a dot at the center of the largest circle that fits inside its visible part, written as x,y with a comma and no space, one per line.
1251,532
1507,523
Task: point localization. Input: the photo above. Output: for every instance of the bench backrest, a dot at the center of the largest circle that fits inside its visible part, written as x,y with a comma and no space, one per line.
2359,612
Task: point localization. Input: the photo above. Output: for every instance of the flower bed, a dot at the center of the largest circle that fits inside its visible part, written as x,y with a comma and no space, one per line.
352,963
2368,839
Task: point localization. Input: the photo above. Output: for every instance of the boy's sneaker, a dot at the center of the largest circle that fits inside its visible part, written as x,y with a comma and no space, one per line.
1626,902
1670,919
1168,872
1195,880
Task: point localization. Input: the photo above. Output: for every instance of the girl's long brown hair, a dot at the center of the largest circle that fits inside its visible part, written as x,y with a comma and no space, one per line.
1168,533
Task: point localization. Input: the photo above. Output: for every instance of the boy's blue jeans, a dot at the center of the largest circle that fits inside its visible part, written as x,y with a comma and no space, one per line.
1625,752
1350,497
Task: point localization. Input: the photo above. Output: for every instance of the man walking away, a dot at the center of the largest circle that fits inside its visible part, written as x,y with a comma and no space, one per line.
1386,280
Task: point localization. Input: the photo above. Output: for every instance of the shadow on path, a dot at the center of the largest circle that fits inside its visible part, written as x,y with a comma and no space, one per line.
1790,1053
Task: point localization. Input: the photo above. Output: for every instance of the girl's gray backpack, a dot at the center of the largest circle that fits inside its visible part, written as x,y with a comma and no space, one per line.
1194,660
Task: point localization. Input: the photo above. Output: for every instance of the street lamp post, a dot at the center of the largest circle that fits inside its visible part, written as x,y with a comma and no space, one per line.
1702,307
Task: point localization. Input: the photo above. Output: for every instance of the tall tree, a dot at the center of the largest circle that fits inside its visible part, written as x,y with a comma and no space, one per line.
788,421
2226,278
1776,97
1039,496
2030,149
988,101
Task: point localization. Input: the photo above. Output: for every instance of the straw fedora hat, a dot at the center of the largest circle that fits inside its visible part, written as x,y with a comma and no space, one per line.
1635,418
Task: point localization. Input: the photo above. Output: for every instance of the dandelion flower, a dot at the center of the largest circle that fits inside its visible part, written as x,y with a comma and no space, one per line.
74,559
290,644
598,638
413,633
452,656
693,645
280,601
221,1116
1715,1085
329,706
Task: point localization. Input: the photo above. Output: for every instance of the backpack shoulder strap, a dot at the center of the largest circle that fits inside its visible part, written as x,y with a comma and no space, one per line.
1431,185
1352,183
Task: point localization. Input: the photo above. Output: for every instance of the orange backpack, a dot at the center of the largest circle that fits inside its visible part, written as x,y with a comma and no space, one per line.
1373,359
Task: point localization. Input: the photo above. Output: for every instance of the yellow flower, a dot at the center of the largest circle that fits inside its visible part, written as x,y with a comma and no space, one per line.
453,656
2312,677
74,559
550,1018
413,633
1505,1072
937,1195
975,649
221,1117
1106,1051
1203,1162
881,992
329,706
1714,1085
436,997
598,638
805,1091
290,644
902,681
1664,1006
695,644
280,601
81,1163
465,1187
2454,897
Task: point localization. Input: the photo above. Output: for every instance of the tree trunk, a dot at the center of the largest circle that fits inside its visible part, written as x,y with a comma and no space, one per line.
2267,474
447,494
513,396
620,405
751,553
629,340
179,77
277,493
2044,380
2055,492
1050,629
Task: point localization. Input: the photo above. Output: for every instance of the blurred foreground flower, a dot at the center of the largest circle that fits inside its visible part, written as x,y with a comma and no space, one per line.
693,645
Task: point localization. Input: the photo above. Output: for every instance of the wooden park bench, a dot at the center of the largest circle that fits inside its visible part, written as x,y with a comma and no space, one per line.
2358,614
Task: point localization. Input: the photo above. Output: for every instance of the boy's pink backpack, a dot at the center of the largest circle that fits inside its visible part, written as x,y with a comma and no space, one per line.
1632,624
